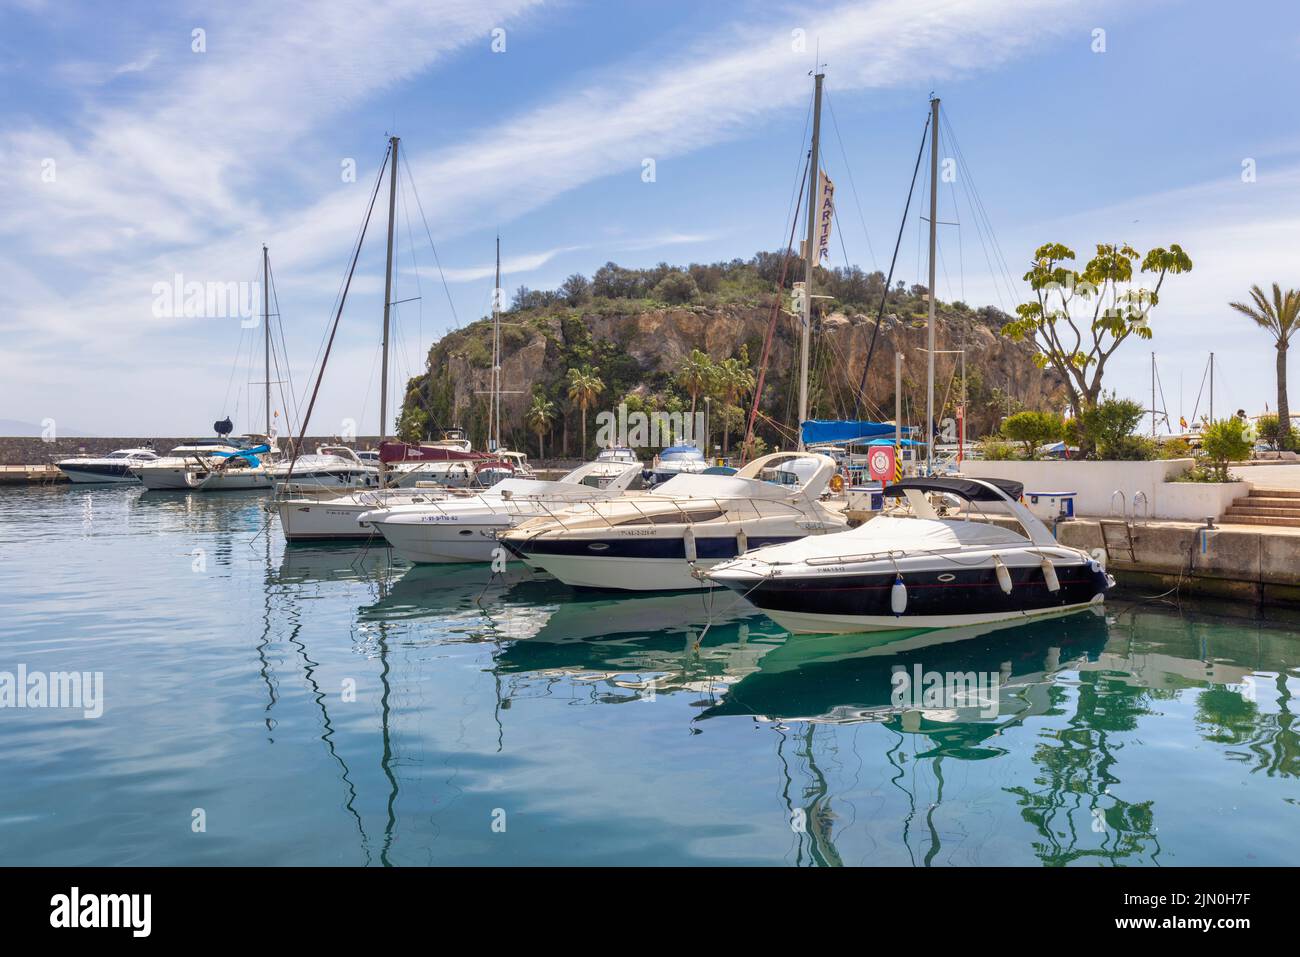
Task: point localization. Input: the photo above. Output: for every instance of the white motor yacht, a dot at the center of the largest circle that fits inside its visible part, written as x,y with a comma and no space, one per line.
676,460
173,470
920,570
466,529
114,467
659,540
325,514
619,454
332,466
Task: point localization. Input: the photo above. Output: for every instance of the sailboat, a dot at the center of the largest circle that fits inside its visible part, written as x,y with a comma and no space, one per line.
224,465
666,539
322,496
921,570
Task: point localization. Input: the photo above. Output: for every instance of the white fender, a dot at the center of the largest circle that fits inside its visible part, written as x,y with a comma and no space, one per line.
898,596
688,543
1049,575
742,542
1004,576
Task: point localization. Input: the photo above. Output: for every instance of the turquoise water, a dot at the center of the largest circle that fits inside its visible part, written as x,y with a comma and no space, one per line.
509,720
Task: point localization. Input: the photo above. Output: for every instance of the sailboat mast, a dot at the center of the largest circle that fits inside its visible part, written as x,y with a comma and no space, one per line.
1153,395
494,423
1211,386
929,325
266,332
810,254
388,291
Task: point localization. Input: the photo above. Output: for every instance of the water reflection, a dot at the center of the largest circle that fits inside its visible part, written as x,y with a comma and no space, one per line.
1072,700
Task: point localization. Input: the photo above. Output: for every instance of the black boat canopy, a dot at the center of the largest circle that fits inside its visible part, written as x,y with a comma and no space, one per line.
969,489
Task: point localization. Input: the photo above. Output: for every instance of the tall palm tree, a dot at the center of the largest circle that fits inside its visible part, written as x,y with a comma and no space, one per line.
1281,317
539,417
695,375
584,388
735,381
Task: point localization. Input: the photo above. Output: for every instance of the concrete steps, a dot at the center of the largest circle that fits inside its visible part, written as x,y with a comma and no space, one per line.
1266,506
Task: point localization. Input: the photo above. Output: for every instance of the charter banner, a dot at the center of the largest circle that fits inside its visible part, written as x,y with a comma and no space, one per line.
826,214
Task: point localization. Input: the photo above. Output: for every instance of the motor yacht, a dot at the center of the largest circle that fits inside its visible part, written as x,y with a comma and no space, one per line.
332,466
921,570
172,471
114,467
676,460
466,529
239,471
326,514
658,540
478,473
618,454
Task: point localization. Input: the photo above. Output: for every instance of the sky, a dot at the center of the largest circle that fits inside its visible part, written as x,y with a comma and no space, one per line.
166,140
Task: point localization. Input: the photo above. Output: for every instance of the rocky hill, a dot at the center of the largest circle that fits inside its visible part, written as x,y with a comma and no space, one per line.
636,345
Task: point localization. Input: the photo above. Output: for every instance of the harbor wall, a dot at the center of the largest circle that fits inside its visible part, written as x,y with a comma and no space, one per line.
33,450
1240,564
1096,483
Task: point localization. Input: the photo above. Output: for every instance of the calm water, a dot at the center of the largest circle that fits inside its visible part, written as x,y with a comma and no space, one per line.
596,730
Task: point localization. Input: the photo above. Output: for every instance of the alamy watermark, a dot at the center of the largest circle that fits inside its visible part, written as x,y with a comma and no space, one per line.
55,689
648,430
932,690
179,299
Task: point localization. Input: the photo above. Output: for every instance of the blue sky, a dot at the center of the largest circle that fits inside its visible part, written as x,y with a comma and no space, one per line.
166,161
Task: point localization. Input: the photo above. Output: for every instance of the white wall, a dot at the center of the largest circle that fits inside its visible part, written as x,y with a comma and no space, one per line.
1095,482
1197,501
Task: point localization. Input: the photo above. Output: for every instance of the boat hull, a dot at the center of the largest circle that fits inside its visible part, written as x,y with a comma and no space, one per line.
323,521
241,480
445,542
634,563
165,478
843,604
98,474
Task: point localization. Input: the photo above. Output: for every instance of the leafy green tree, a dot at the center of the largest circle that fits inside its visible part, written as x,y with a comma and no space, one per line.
539,417
1079,318
1224,442
695,375
1269,428
1033,429
584,388
1280,317
1108,428
676,288
734,382
576,290
413,423
995,450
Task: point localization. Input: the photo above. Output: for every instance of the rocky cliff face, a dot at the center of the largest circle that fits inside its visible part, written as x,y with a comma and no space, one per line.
638,351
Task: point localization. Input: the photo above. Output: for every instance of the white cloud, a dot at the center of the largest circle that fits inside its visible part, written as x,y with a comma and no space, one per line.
173,183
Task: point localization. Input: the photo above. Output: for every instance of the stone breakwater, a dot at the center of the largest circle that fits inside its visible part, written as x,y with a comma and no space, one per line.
33,450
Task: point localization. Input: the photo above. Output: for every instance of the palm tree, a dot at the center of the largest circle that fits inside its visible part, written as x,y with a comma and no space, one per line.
539,417
695,375
735,381
1281,317
584,388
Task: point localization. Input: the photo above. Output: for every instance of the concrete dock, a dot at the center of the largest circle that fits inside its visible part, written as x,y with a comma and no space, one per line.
30,474
1242,562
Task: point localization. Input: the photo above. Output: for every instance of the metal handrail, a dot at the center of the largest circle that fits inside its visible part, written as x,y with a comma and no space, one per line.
1123,503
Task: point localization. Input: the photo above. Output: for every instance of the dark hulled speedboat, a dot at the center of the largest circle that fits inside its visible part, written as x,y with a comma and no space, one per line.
921,570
